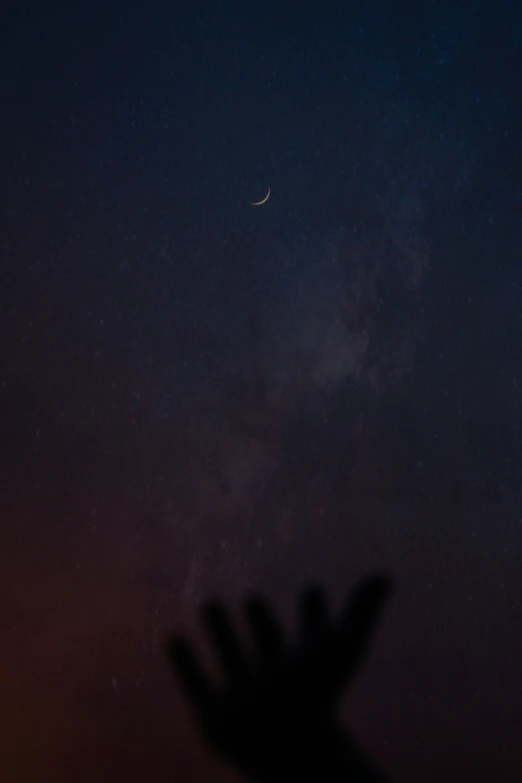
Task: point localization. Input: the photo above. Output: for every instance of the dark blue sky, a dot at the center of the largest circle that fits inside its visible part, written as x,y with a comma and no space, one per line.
201,396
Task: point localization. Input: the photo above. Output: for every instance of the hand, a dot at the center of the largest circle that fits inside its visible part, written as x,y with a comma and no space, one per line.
274,715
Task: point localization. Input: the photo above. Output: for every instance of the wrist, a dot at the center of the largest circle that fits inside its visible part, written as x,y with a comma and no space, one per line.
336,757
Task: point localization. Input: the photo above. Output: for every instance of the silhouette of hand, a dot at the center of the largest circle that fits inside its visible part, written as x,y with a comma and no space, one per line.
274,715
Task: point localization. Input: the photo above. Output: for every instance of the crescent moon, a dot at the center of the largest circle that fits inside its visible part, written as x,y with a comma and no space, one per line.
263,200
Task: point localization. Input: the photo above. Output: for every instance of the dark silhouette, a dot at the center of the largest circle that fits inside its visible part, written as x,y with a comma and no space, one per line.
274,716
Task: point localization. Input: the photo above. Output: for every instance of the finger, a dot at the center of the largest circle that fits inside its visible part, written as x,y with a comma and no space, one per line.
314,615
225,639
359,620
266,629
186,666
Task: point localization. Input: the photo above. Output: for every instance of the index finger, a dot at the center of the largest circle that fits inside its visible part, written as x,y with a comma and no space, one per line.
359,620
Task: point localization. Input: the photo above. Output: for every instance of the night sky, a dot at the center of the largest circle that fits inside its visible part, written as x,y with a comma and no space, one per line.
199,397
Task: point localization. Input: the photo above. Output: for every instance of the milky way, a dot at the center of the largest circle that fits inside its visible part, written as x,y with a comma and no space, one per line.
202,398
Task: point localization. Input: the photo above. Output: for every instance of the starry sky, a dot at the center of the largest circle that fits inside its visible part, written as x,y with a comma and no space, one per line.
202,397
